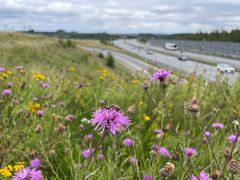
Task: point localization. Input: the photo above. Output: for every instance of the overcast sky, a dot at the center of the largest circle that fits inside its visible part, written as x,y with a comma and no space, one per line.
120,16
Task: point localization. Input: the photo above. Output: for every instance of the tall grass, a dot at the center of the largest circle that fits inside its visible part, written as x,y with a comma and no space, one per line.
78,81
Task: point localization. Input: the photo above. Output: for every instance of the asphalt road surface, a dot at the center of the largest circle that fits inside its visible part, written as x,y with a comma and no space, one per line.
207,71
201,57
132,64
231,49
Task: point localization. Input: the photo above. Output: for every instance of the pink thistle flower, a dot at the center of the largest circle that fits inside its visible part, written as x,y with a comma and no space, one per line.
218,125
40,113
206,135
147,177
36,174
27,173
157,131
69,118
87,152
164,152
9,84
193,178
102,102
154,149
233,138
88,137
128,142
109,119
45,85
81,126
189,151
2,69
6,92
19,67
38,128
100,157
35,163
133,160
22,174
204,176
161,75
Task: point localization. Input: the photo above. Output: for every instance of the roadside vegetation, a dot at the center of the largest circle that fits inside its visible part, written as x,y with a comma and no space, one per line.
67,114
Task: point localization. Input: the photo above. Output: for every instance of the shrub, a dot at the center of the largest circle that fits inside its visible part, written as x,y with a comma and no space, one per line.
100,55
110,62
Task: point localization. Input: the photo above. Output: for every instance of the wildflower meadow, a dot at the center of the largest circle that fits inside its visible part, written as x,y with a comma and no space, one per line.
66,115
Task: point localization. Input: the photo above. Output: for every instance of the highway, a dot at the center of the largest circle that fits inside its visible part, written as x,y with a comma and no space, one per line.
131,63
200,57
209,72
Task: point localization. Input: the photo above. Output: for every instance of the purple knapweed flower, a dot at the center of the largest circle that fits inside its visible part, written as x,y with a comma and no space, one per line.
206,135
203,176
81,126
157,131
88,137
109,119
128,142
233,138
27,173
154,149
164,152
161,75
40,113
6,92
218,125
36,175
87,152
22,174
2,69
102,102
189,152
9,84
193,178
70,118
35,163
45,85
100,157
147,177
19,67
133,160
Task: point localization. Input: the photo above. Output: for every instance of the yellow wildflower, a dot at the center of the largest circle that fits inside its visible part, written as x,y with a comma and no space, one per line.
22,71
101,78
141,103
135,81
38,76
105,74
9,72
34,106
71,69
146,118
8,170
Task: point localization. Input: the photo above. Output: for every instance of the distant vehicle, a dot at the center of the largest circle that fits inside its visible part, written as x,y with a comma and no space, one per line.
202,48
182,57
149,52
171,46
225,68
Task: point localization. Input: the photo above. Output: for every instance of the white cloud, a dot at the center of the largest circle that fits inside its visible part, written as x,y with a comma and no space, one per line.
159,16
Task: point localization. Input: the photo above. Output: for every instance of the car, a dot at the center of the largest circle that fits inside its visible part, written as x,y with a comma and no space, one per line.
182,57
171,46
225,68
149,52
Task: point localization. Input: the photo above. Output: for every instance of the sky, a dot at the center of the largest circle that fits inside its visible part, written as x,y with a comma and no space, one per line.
120,16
